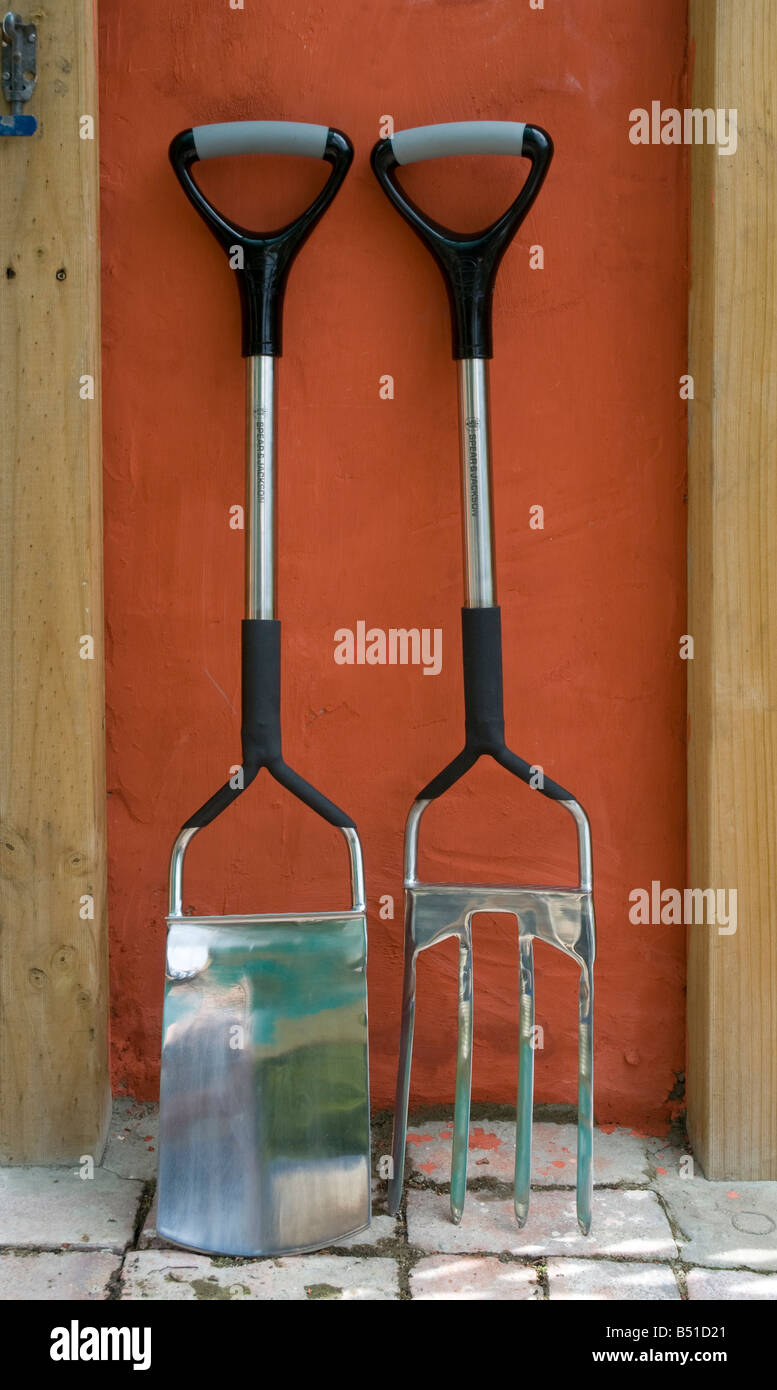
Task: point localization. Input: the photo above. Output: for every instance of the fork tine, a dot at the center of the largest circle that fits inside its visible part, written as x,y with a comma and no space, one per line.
525,1111
463,1082
585,1108
396,1181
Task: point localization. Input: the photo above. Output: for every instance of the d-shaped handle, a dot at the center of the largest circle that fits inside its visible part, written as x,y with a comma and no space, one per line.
263,265
468,260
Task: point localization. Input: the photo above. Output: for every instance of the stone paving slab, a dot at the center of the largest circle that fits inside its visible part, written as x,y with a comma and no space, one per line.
723,1224
380,1228
176,1276
63,1234
468,1277
611,1279
133,1139
625,1223
48,1208
50,1276
668,1160
722,1284
619,1155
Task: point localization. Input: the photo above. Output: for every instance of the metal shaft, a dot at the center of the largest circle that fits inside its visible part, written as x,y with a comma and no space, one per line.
476,506
260,521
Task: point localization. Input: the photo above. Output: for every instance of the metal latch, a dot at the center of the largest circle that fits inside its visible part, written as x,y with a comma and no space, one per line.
20,73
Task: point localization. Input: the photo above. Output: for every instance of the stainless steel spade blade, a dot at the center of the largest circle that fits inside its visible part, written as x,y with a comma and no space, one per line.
264,1144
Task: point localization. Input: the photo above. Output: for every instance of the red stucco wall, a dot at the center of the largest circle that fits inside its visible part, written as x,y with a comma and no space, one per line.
587,422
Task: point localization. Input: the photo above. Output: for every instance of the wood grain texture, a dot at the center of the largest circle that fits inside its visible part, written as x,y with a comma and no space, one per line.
732,983
53,963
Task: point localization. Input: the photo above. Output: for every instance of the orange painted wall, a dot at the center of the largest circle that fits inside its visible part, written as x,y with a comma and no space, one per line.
587,421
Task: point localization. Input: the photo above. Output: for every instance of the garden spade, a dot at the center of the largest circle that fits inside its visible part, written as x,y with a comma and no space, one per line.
264,1124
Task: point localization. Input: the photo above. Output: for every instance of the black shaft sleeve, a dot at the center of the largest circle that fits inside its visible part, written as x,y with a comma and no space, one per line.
484,722
481,648
261,729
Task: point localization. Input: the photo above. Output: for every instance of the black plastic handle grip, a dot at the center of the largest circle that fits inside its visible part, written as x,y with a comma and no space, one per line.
266,256
468,261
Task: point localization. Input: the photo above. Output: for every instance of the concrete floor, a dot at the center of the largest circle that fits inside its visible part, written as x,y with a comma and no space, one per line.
659,1231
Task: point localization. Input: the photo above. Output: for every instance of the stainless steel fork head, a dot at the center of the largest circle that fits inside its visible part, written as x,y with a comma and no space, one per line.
562,917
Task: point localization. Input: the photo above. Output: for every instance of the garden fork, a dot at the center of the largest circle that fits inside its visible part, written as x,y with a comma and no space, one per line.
563,917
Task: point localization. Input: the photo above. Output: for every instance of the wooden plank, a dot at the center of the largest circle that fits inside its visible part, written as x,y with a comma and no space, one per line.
53,957
732,760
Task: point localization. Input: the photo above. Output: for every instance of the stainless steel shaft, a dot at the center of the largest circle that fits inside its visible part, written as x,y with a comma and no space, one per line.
260,518
476,505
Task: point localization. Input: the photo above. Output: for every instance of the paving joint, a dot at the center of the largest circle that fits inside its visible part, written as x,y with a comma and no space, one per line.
145,1204
115,1286
679,1235
543,1282
498,1188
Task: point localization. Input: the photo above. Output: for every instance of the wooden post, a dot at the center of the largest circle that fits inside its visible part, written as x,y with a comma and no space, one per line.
732,979
54,1088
